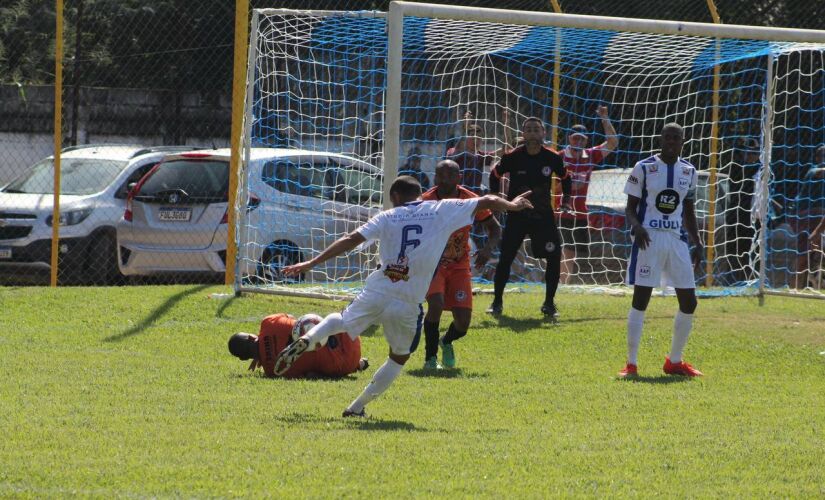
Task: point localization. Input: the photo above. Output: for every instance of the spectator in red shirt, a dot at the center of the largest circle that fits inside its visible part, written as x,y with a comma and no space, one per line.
580,162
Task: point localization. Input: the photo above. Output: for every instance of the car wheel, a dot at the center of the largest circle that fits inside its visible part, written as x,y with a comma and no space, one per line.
276,256
101,263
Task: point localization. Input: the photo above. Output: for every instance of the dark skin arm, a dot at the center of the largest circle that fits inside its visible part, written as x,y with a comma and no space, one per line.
692,228
493,230
639,233
341,246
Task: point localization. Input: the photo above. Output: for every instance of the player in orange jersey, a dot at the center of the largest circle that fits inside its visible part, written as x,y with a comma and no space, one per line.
340,356
450,288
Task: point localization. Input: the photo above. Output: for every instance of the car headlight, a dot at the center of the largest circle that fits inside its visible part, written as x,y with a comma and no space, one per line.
71,217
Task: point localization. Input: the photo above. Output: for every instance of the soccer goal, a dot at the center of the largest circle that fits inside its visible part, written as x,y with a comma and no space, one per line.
403,92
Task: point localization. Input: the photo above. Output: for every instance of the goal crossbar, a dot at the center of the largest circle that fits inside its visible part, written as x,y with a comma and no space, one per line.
607,23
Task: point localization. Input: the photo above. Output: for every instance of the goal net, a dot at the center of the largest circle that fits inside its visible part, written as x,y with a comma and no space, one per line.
440,81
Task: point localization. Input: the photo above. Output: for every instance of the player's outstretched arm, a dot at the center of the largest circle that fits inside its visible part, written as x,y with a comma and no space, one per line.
498,204
341,246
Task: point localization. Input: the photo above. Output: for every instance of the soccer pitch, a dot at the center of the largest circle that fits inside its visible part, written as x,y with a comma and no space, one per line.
131,392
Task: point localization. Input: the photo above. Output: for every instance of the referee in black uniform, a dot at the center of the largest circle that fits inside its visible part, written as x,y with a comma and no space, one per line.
531,167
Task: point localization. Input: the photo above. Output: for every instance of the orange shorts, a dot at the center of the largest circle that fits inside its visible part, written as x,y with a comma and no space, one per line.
454,284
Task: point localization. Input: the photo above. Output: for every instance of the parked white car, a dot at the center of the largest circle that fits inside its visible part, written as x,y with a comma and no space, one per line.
94,183
297,200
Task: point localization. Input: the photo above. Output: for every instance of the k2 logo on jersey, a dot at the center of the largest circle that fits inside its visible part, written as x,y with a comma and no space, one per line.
667,201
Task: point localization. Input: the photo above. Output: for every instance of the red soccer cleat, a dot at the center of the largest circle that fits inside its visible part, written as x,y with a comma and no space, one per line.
680,368
629,371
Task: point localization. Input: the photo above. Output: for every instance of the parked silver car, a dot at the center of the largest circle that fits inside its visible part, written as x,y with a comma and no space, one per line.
176,218
94,184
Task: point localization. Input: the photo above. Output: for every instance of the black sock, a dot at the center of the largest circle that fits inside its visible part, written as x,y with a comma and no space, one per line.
430,339
551,278
453,334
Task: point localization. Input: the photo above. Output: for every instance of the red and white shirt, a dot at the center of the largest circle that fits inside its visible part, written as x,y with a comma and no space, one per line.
579,170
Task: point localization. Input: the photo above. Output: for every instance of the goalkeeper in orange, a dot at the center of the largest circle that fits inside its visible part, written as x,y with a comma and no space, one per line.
338,357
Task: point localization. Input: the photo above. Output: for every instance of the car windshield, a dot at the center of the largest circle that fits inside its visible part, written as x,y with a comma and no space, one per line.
199,179
78,176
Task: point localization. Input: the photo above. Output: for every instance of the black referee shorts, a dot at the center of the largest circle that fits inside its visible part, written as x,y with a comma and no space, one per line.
545,240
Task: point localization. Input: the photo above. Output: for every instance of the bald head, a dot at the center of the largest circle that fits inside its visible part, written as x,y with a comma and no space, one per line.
447,176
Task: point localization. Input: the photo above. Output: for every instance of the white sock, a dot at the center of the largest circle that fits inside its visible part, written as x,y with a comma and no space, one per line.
382,379
635,322
330,325
681,330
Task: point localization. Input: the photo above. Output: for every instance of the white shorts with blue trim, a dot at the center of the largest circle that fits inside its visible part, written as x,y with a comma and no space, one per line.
401,320
665,262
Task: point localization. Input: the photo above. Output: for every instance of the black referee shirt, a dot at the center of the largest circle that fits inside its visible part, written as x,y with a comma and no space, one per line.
531,172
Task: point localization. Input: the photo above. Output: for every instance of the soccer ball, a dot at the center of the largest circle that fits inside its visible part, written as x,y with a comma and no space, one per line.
304,324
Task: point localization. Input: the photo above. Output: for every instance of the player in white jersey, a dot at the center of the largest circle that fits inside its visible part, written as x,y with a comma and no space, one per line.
411,238
660,210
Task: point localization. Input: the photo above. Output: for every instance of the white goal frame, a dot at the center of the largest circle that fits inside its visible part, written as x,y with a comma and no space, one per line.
395,28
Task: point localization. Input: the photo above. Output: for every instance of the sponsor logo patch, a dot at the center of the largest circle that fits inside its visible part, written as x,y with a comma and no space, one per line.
546,171
550,246
644,271
684,182
667,201
460,295
632,179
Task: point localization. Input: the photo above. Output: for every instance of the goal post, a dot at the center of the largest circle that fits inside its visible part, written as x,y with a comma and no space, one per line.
647,72
379,94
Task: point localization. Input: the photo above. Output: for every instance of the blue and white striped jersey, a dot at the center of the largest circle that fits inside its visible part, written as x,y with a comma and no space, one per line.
662,189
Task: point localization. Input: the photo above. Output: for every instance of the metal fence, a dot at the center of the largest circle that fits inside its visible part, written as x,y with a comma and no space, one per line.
144,80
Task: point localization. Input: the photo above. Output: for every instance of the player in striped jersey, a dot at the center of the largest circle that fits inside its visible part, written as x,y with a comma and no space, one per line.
660,210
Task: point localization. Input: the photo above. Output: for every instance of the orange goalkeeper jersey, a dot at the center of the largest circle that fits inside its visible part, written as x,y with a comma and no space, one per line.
338,358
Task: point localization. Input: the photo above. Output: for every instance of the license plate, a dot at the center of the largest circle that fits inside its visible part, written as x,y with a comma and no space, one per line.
175,214
5,253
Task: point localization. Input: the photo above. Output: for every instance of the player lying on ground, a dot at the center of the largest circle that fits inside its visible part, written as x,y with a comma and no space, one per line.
660,196
338,357
411,238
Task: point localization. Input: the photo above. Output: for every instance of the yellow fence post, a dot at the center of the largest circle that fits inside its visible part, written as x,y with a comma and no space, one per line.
714,158
58,135
238,102
554,120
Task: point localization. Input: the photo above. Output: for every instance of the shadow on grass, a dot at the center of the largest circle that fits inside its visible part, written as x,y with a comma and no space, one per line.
226,303
364,424
153,316
519,325
658,379
446,373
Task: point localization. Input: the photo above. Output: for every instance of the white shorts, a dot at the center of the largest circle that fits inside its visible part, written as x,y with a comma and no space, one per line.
401,320
665,262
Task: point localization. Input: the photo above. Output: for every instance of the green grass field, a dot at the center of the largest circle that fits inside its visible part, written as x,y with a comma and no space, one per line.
131,392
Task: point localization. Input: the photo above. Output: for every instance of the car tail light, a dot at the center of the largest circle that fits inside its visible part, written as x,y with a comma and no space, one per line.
127,215
196,155
254,202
